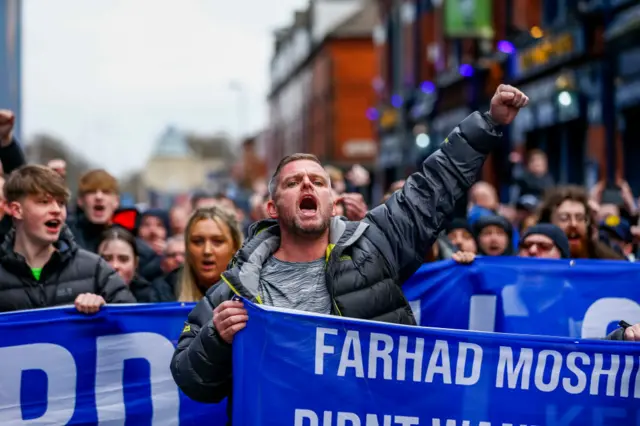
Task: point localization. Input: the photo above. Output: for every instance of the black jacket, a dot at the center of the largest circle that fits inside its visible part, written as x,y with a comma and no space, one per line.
70,272
142,290
164,288
366,261
88,236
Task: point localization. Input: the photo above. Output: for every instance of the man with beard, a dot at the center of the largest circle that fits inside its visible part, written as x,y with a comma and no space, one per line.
306,258
568,208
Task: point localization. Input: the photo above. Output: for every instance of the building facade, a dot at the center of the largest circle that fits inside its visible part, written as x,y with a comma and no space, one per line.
11,59
321,75
441,59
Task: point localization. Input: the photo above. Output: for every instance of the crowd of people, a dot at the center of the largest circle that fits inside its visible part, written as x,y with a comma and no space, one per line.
310,241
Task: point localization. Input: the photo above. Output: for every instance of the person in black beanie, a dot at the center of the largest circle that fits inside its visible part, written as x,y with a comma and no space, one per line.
494,236
460,234
544,240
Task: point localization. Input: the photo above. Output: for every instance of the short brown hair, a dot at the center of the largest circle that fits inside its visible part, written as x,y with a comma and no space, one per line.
558,195
97,179
273,182
34,179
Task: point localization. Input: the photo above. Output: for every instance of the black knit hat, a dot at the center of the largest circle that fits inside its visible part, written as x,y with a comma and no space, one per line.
556,234
458,223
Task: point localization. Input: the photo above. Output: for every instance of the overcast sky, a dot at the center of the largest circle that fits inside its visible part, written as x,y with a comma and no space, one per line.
108,76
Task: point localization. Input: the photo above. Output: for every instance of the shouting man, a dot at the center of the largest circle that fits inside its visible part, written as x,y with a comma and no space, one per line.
306,259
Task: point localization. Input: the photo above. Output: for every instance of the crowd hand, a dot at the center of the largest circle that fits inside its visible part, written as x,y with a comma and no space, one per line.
6,127
632,334
158,246
463,257
358,176
89,303
229,317
597,190
626,194
506,104
355,207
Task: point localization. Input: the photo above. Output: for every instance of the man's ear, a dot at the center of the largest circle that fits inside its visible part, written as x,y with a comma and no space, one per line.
15,210
80,201
271,209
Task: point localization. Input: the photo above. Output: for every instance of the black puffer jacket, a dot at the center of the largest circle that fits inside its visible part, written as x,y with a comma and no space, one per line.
70,271
88,236
366,261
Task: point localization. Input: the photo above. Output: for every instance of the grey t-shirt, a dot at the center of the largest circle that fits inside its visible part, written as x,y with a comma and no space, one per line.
299,285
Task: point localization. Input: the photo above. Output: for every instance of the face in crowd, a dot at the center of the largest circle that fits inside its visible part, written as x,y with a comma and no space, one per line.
572,217
153,231
98,196
493,240
174,253
178,218
540,246
302,198
463,240
119,250
210,247
37,198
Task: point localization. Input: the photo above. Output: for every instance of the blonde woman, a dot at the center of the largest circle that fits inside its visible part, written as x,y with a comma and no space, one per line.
212,237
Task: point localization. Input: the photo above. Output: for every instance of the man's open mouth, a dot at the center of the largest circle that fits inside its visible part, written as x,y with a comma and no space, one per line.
53,225
308,204
98,208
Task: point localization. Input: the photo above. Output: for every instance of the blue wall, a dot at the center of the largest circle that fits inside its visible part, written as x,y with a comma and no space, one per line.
11,59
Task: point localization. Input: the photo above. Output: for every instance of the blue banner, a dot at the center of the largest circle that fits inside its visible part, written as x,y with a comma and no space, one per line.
528,296
292,368
60,367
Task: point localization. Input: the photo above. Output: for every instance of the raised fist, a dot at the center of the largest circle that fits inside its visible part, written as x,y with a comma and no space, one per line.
6,127
506,104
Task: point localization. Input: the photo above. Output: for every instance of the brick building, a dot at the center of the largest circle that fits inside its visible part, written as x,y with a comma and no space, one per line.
321,74
438,60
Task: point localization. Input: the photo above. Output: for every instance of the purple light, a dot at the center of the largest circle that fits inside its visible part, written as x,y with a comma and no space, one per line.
506,47
427,87
466,70
396,101
372,114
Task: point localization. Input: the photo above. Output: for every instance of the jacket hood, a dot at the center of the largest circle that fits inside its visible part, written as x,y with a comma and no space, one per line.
264,239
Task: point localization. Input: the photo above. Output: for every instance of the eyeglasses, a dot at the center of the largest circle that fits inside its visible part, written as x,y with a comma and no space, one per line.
542,246
173,255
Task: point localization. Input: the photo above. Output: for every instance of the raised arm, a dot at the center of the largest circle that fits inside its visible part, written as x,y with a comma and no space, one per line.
11,155
412,217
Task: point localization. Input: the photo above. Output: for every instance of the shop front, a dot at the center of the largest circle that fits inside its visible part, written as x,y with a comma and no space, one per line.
623,36
556,120
390,154
419,116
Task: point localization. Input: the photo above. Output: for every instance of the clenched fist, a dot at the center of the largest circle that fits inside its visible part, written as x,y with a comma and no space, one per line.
89,303
228,318
6,127
506,104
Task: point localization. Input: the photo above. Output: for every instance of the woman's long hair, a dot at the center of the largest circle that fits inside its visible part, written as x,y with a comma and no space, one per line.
188,289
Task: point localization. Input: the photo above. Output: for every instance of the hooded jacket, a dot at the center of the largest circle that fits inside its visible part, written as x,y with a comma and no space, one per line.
366,261
70,272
